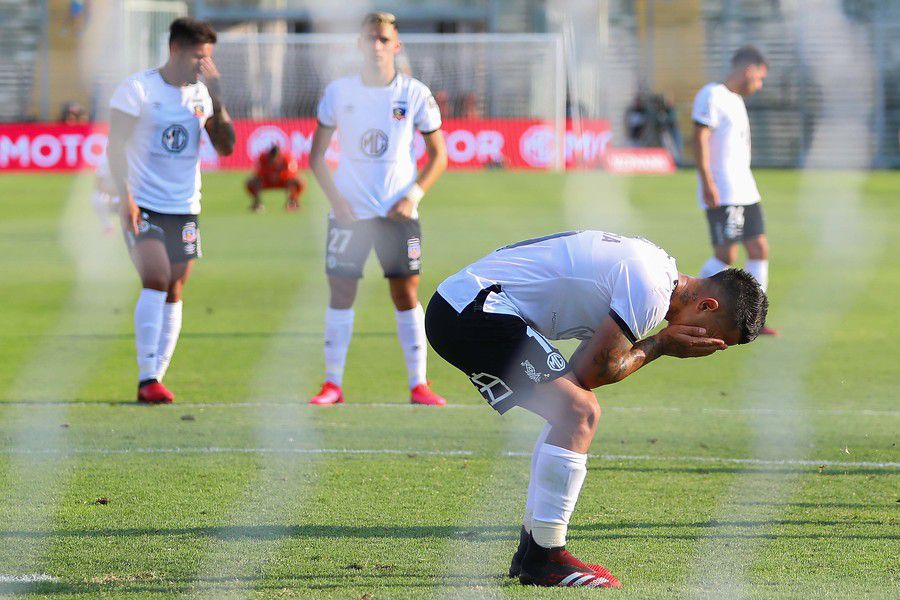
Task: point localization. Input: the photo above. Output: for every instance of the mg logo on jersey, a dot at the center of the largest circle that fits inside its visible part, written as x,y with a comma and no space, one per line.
175,138
492,388
556,362
374,143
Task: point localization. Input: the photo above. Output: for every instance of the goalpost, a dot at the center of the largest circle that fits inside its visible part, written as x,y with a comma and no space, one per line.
489,86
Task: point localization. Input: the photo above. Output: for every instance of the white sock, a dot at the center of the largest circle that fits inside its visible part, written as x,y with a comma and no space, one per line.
712,266
559,474
411,331
338,332
171,327
148,317
529,499
760,271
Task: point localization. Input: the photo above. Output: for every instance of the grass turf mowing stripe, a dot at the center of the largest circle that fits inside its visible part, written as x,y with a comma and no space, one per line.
861,412
412,451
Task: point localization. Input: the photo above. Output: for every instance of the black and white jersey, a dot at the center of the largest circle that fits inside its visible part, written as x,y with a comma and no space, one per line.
564,285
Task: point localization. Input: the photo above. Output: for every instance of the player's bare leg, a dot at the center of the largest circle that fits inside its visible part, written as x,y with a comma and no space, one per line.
724,255
171,324
152,263
411,333
758,266
254,185
338,333
295,189
559,470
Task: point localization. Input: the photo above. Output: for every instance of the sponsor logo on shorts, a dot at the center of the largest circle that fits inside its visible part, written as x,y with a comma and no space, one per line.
555,361
532,373
190,248
144,225
175,138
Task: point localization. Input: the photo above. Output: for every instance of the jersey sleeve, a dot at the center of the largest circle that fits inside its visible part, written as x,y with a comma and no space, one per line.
428,115
325,112
128,98
705,111
638,304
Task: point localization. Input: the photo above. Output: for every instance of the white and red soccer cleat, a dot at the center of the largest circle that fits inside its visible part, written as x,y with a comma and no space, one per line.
153,392
556,567
422,394
329,394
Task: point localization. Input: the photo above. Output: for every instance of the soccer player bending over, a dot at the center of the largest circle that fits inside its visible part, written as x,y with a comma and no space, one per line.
276,169
154,140
374,196
494,320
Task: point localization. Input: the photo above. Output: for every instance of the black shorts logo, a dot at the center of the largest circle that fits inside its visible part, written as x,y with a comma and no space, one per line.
374,143
175,138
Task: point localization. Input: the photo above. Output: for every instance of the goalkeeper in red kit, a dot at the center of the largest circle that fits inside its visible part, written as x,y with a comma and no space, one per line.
276,169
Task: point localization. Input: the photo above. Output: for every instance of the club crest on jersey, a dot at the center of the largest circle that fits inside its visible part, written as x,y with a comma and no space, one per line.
399,112
189,233
198,110
174,138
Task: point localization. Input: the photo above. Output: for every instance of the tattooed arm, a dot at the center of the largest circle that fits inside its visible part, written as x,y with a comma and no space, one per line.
219,125
609,356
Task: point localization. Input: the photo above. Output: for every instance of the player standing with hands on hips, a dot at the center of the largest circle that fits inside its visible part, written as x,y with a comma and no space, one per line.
374,196
726,188
154,158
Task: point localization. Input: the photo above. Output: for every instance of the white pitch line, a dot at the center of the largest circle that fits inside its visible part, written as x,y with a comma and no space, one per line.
861,412
26,578
786,462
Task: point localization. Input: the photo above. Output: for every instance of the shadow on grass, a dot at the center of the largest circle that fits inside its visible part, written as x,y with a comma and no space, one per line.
709,469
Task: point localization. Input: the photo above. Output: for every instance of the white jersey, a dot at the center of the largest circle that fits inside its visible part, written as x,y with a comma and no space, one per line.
164,151
565,284
725,114
376,126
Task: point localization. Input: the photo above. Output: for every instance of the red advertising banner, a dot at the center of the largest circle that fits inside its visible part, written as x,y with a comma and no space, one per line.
471,143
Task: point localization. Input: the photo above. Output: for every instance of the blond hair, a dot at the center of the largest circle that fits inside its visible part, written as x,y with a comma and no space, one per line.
380,18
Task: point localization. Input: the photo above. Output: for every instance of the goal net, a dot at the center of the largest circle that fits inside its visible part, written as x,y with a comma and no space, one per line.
502,96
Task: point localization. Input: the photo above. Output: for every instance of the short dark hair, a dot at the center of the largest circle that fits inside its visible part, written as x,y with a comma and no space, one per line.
745,302
188,31
748,55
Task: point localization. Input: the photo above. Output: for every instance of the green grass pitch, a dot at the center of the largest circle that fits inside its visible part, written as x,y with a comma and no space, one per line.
769,470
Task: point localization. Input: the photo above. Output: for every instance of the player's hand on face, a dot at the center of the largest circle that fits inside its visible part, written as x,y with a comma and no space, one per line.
686,341
402,210
210,74
711,195
130,215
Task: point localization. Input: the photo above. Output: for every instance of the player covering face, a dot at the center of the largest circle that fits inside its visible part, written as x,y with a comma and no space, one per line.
495,319
154,159
374,195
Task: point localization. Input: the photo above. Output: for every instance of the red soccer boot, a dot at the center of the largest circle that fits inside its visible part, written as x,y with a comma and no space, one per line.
329,394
